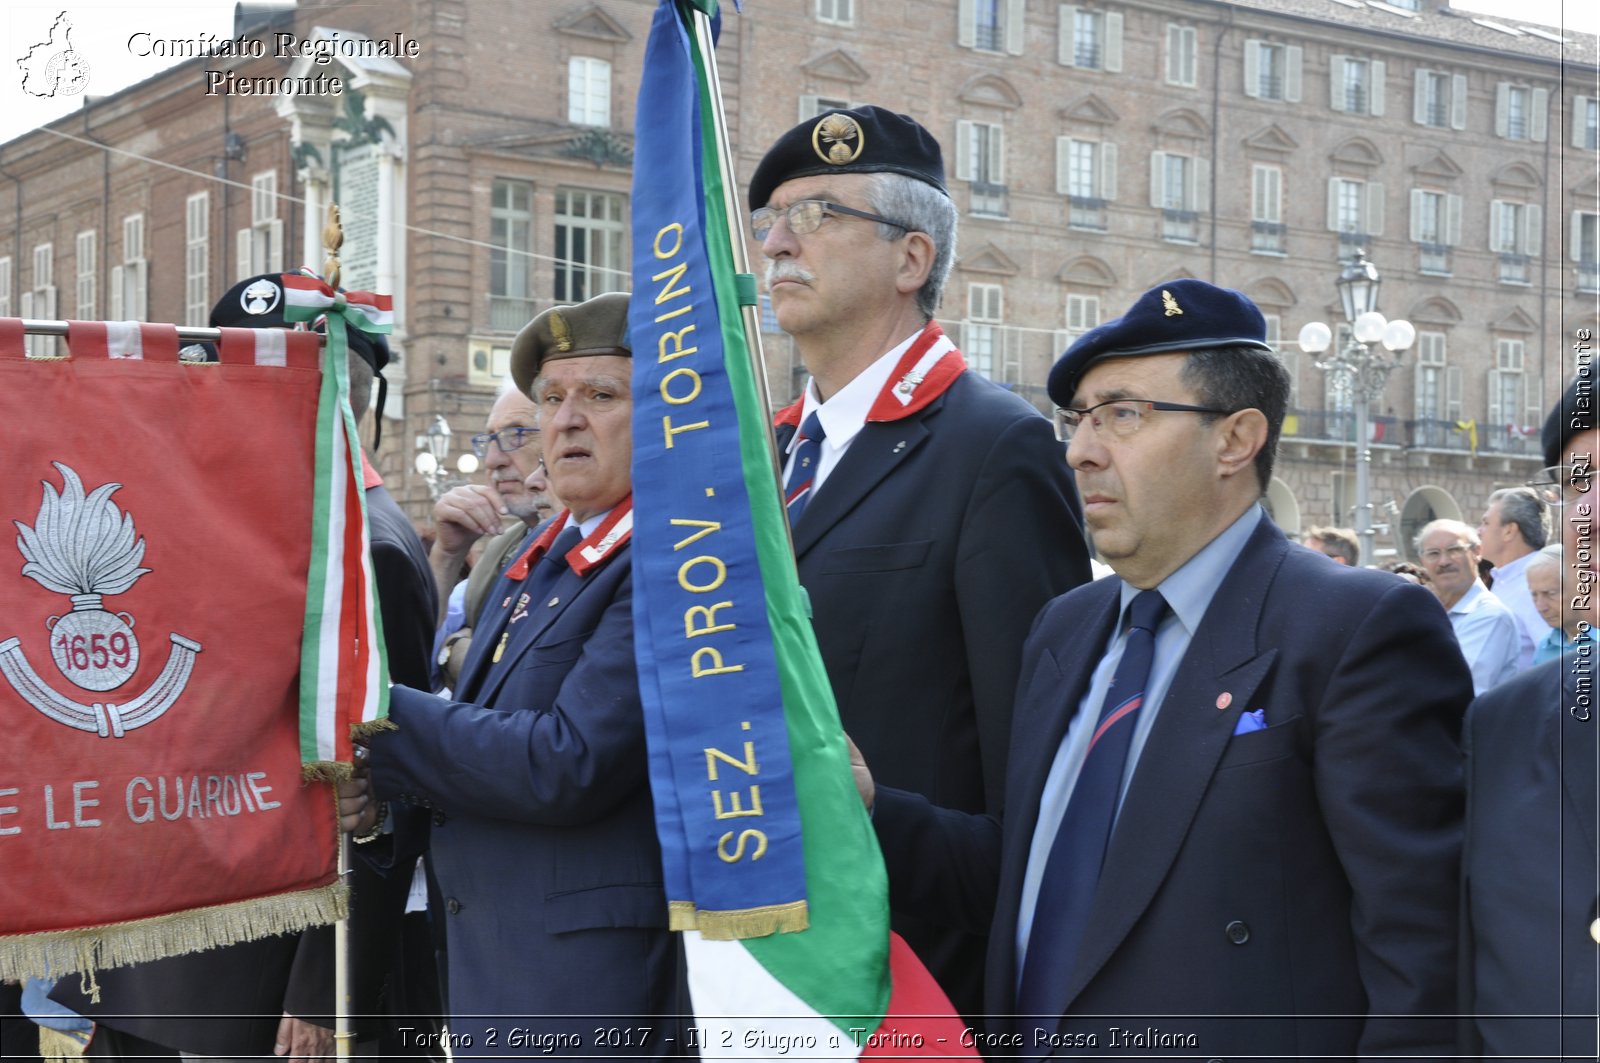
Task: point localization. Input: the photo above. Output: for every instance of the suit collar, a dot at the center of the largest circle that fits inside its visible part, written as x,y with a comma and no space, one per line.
906,381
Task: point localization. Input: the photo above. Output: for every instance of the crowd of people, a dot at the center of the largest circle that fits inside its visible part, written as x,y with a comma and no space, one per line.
1214,801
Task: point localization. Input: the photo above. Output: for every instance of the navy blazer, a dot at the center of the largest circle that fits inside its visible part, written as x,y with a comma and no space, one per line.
1530,888
926,554
1289,891
542,828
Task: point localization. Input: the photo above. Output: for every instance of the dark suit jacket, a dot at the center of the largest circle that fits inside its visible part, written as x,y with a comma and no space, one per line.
542,829
1297,873
1529,876
926,554
228,1001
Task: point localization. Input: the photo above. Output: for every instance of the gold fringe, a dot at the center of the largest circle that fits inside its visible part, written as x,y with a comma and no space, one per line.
739,923
55,953
57,1046
372,727
334,771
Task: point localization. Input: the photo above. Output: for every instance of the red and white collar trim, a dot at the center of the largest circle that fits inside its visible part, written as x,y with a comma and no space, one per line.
590,553
925,372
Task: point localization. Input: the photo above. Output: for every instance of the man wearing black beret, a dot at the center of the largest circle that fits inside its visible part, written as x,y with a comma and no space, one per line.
1530,884
244,999
932,510
1233,814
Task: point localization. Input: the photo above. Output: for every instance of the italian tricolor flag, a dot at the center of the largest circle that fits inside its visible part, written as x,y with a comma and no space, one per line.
771,866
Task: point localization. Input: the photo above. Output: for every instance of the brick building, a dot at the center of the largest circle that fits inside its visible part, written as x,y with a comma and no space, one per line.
1095,149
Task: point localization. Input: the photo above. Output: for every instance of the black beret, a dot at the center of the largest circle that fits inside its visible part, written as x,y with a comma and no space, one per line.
257,302
862,140
1181,315
1573,414
596,327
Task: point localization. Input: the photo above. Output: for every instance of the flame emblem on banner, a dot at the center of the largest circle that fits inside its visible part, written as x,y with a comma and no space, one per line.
83,546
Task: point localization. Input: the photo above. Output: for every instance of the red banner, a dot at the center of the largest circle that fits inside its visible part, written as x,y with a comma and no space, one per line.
152,595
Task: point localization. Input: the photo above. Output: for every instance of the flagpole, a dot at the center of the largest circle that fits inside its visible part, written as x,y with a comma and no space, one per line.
750,315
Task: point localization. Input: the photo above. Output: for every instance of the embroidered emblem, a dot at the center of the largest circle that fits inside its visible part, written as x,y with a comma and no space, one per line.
1170,304
831,139
562,334
262,297
85,547
909,382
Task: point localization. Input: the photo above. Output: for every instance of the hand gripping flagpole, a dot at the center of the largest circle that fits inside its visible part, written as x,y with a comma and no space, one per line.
750,312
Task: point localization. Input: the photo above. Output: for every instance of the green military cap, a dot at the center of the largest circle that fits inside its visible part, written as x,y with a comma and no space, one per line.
596,327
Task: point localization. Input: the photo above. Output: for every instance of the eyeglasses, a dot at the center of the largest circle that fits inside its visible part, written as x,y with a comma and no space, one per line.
1560,484
507,439
806,216
1122,417
1455,553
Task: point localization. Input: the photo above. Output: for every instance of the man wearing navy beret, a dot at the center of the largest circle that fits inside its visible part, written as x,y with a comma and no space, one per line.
1233,815
932,509
1530,881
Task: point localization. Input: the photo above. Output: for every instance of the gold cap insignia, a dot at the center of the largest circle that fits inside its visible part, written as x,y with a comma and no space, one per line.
562,334
832,139
1170,304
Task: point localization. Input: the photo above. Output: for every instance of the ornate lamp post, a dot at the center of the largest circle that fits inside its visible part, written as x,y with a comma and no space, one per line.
433,446
1365,368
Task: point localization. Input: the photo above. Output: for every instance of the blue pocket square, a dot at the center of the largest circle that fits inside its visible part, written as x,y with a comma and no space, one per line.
1250,721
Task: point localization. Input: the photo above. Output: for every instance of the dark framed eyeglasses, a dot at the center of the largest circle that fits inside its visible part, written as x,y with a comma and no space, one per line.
1122,417
1559,484
807,215
507,439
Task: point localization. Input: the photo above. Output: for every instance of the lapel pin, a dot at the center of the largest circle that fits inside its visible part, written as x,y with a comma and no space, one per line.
898,447
1224,699
552,603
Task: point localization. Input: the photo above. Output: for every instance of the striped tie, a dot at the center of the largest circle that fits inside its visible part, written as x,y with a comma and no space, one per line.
807,452
1067,889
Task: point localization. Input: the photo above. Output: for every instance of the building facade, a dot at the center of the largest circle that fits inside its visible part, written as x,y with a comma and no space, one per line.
481,155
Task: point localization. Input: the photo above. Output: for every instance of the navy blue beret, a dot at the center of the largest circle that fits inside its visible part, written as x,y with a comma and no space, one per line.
1181,315
863,140
1573,414
257,302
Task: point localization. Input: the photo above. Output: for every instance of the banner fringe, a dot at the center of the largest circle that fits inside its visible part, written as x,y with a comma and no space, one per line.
739,923
329,771
55,953
371,727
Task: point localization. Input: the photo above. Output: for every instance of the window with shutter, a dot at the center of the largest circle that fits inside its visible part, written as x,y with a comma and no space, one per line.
510,255
589,91
1181,55
197,259
836,12
86,265
1266,209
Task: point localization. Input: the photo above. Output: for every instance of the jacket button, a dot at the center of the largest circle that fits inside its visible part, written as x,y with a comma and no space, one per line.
438,819
452,906
1237,932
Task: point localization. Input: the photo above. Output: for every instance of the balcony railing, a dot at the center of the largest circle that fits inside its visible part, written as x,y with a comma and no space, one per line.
509,314
1086,212
1270,87
1355,99
1339,426
989,38
1179,226
1433,258
1513,268
1509,439
1437,114
988,199
1087,56
1267,237
1433,433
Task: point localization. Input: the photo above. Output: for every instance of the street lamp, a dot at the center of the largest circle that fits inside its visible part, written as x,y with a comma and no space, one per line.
433,446
1366,370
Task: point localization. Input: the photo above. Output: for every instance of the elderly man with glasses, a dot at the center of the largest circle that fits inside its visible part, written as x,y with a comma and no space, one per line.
517,491
932,511
1489,634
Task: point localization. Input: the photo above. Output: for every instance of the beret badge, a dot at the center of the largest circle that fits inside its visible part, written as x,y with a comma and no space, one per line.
1170,305
837,132
560,332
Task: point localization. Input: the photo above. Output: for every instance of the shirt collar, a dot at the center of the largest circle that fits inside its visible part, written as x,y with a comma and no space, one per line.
1189,590
845,414
1511,569
1472,599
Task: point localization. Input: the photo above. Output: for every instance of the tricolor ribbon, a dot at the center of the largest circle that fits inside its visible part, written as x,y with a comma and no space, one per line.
344,678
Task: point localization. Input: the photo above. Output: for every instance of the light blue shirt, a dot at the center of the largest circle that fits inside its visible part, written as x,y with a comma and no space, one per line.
1188,592
1552,645
1489,636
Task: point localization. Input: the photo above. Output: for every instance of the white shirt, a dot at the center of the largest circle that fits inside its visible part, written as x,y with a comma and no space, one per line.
845,414
1488,635
1511,587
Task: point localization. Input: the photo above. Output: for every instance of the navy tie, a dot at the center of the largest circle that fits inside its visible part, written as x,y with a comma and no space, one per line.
1067,889
551,565
803,473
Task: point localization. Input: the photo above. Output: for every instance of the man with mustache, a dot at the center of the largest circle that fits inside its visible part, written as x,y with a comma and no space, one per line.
1487,631
1530,886
517,489
1233,814
931,508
